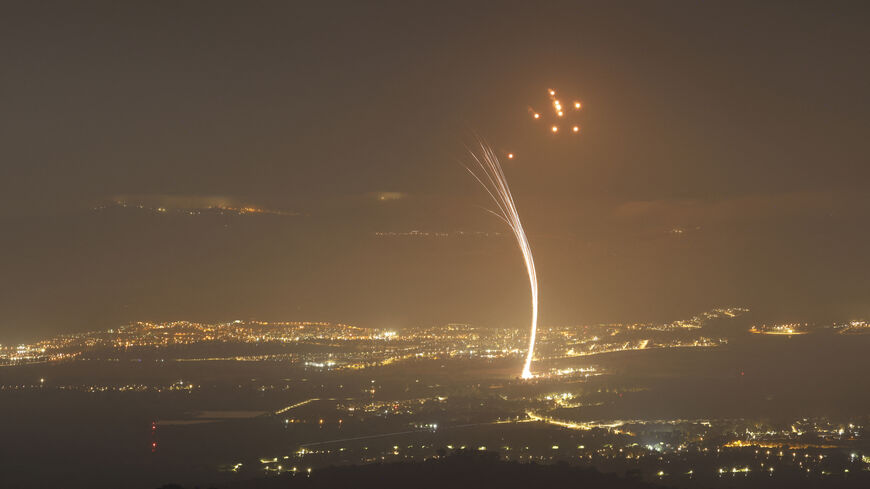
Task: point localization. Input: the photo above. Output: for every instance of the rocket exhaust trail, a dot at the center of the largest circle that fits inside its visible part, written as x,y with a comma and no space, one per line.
490,175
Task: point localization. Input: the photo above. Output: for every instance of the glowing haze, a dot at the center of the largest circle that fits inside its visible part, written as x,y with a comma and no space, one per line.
490,175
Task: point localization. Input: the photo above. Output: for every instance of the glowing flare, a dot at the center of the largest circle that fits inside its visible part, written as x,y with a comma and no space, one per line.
561,115
510,156
491,177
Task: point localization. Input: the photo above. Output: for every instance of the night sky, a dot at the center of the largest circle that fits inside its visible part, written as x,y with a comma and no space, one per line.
723,160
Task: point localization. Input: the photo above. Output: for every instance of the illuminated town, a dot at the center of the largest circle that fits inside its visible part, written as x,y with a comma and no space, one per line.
343,346
780,329
354,395
219,209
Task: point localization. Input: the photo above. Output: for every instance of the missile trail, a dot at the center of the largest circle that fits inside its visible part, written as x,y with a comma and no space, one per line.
491,177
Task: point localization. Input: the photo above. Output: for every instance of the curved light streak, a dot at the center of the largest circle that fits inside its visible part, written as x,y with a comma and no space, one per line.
492,178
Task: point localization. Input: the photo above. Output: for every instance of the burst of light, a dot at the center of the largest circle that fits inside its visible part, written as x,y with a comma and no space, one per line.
510,156
491,176
560,113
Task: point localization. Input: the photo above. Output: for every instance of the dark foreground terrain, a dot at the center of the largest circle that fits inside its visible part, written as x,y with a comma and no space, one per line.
458,470
476,470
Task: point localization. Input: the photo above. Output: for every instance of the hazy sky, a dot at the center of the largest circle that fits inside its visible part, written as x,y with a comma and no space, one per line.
744,125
